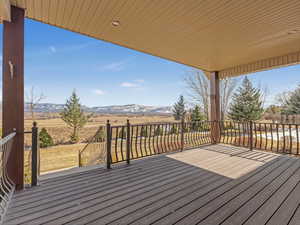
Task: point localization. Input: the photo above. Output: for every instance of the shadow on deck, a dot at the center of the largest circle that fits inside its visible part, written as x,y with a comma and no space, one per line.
214,184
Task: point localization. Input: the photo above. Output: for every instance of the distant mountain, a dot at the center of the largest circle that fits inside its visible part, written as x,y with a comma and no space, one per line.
113,109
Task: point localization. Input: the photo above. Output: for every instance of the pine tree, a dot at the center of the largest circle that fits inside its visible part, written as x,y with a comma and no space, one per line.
144,132
45,139
179,109
196,114
174,130
158,131
74,116
246,103
292,104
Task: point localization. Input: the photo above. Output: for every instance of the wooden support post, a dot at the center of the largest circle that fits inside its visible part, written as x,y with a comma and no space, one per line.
128,144
182,134
215,106
35,155
13,92
108,145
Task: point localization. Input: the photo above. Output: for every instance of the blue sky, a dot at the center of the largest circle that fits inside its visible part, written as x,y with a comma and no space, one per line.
57,61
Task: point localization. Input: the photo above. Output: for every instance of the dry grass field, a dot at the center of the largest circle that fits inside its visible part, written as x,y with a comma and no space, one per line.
60,132
65,155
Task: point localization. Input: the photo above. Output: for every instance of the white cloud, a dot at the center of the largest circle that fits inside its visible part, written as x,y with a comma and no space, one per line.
115,66
52,49
98,92
140,81
129,85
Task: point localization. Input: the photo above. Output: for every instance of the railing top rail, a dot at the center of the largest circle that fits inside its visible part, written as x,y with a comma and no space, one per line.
258,122
7,138
162,123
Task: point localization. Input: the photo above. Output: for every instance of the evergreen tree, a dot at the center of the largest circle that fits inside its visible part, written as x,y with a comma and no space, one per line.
179,109
196,117
74,116
196,114
144,132
45,139
174,130
246,103
158,131
292,104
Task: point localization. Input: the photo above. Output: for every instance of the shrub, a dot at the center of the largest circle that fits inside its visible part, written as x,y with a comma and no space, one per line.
144,132
158,131
174,130
45,139
100,135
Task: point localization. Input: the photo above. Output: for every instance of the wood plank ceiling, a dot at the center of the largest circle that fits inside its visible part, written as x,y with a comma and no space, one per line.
231,36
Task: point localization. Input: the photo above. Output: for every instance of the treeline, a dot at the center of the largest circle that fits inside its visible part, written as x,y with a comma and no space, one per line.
240,103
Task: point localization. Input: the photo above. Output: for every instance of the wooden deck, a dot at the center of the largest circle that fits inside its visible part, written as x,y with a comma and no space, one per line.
212,185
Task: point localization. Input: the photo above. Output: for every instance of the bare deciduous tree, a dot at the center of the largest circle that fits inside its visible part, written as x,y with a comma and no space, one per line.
198,87
33,99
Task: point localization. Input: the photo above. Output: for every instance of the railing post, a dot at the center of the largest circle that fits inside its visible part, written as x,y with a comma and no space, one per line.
182,134
128,144
251,135
79,159
108,145
35,155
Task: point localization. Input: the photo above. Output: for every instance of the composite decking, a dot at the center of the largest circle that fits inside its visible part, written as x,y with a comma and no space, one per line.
216,184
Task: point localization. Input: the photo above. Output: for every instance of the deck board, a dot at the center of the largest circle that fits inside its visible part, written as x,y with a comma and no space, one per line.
216,184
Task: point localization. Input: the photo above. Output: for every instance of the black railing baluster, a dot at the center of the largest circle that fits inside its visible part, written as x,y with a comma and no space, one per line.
153,139
260,136
35,155
128,142
182,135
240,133
141,136
168,137
131,142
291,138
198,133
158,133
121,144
266,136
243,129
272,141
149,140
145,140
138,154
108,145
283,133
277,133
297,136
164,137
250,135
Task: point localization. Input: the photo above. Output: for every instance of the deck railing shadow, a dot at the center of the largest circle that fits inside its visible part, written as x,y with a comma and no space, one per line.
241,152
163,178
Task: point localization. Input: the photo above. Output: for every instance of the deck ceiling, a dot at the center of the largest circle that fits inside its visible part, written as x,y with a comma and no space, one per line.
234,37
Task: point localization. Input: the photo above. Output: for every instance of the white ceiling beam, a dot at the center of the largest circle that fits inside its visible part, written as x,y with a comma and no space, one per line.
5,10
